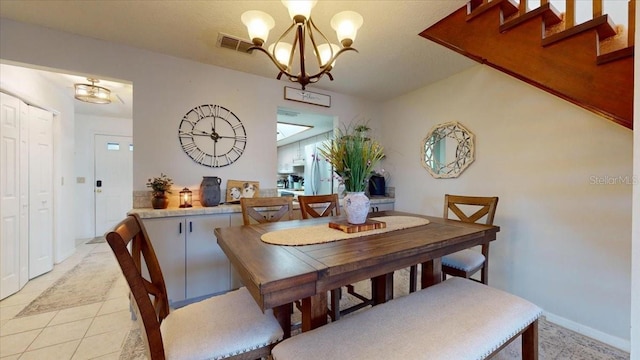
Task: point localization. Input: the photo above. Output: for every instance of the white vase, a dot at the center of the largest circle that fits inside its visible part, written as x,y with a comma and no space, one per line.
356,206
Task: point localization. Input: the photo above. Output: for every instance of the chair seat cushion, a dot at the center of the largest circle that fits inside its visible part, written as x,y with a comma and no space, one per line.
456,319
465,260
219,327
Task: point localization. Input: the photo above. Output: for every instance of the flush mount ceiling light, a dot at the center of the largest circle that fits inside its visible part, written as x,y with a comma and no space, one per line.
92,93
282,54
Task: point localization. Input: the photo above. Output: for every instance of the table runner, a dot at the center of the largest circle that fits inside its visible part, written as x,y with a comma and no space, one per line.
318,234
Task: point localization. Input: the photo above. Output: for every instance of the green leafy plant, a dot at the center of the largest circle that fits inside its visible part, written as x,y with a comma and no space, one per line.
160,184
353,155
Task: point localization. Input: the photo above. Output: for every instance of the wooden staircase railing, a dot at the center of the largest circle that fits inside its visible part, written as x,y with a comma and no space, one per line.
589,64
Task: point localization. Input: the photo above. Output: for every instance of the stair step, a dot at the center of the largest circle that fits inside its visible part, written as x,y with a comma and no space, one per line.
615,55
602,24
508,8
549,15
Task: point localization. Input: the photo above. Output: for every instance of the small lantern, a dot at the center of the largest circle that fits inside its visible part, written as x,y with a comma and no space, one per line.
185,198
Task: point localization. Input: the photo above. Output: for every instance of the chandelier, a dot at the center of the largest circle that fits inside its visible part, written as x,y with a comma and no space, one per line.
92,93
283,54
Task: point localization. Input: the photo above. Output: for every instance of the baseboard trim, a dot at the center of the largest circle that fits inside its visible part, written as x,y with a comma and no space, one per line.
622,344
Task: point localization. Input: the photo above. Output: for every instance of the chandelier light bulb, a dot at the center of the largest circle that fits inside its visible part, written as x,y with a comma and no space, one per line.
346,25
282,52
258,25
327,51
299,10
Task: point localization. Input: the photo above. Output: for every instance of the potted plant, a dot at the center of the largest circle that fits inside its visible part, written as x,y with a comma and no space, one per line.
159,186
354,155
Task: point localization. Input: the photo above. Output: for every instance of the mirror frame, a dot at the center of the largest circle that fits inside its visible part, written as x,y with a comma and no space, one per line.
465,150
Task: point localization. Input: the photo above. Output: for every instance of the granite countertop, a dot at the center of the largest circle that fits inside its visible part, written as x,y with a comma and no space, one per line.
148,213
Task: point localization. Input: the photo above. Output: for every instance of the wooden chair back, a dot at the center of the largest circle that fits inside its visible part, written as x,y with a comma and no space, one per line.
150,295
330,202
273,209
474,208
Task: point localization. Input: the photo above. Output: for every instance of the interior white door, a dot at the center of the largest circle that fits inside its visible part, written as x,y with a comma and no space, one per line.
113,180
40,191
24,194
10,208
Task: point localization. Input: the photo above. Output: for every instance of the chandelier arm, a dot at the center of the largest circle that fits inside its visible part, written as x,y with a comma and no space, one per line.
301,40
331,61
311,25
293,49
275,45
282,69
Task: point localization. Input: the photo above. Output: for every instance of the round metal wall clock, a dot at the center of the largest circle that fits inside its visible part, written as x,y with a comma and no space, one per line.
212,135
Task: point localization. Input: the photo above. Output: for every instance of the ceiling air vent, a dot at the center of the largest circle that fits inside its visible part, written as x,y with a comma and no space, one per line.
234,43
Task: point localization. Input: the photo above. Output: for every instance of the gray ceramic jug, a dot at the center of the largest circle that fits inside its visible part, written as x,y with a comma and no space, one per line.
210,191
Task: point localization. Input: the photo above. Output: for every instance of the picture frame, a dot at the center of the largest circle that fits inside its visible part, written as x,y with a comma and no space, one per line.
237,189
307,97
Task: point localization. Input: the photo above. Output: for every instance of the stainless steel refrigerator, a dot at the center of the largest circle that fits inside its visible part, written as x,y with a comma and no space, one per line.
318,172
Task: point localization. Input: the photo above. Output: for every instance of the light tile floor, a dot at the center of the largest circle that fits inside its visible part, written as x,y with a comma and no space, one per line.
94,331
99,330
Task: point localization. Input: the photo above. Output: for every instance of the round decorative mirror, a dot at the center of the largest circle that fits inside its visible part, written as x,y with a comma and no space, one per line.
447,150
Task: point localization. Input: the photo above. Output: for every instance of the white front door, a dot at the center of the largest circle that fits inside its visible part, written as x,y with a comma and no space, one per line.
40,191
113,180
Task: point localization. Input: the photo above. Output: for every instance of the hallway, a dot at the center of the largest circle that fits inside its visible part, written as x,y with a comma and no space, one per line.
94,331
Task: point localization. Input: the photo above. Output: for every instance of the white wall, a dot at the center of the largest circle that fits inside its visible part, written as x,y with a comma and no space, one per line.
86,128
165,88
635,271
36,90
564,242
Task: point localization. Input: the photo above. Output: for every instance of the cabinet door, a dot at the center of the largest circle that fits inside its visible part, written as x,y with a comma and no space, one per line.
167,237
207,267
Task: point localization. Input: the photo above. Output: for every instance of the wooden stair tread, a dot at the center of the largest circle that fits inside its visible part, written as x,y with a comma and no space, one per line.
508,8
602,24
615,55
549,15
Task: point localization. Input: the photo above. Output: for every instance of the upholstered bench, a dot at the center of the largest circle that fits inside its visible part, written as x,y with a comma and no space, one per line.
456,319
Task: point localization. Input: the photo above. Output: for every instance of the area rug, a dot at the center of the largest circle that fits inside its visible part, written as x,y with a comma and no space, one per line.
87,283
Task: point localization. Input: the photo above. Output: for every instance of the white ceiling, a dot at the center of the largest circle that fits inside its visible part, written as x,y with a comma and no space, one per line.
392,58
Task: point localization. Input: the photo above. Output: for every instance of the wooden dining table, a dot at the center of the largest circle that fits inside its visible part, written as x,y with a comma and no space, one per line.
278,275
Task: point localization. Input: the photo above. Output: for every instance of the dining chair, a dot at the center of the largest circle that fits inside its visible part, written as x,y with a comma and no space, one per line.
266,209
313,206
229,326
465,263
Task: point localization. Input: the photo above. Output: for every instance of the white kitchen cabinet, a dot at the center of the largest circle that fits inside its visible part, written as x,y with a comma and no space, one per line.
207,266
382,207
192,263
169,245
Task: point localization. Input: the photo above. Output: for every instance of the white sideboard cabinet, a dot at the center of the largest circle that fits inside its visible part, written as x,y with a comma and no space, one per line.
192,263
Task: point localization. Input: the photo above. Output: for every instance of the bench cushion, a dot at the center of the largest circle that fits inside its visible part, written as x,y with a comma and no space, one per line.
456,319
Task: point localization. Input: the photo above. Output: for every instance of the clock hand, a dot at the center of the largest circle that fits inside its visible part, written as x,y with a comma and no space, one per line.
201,133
